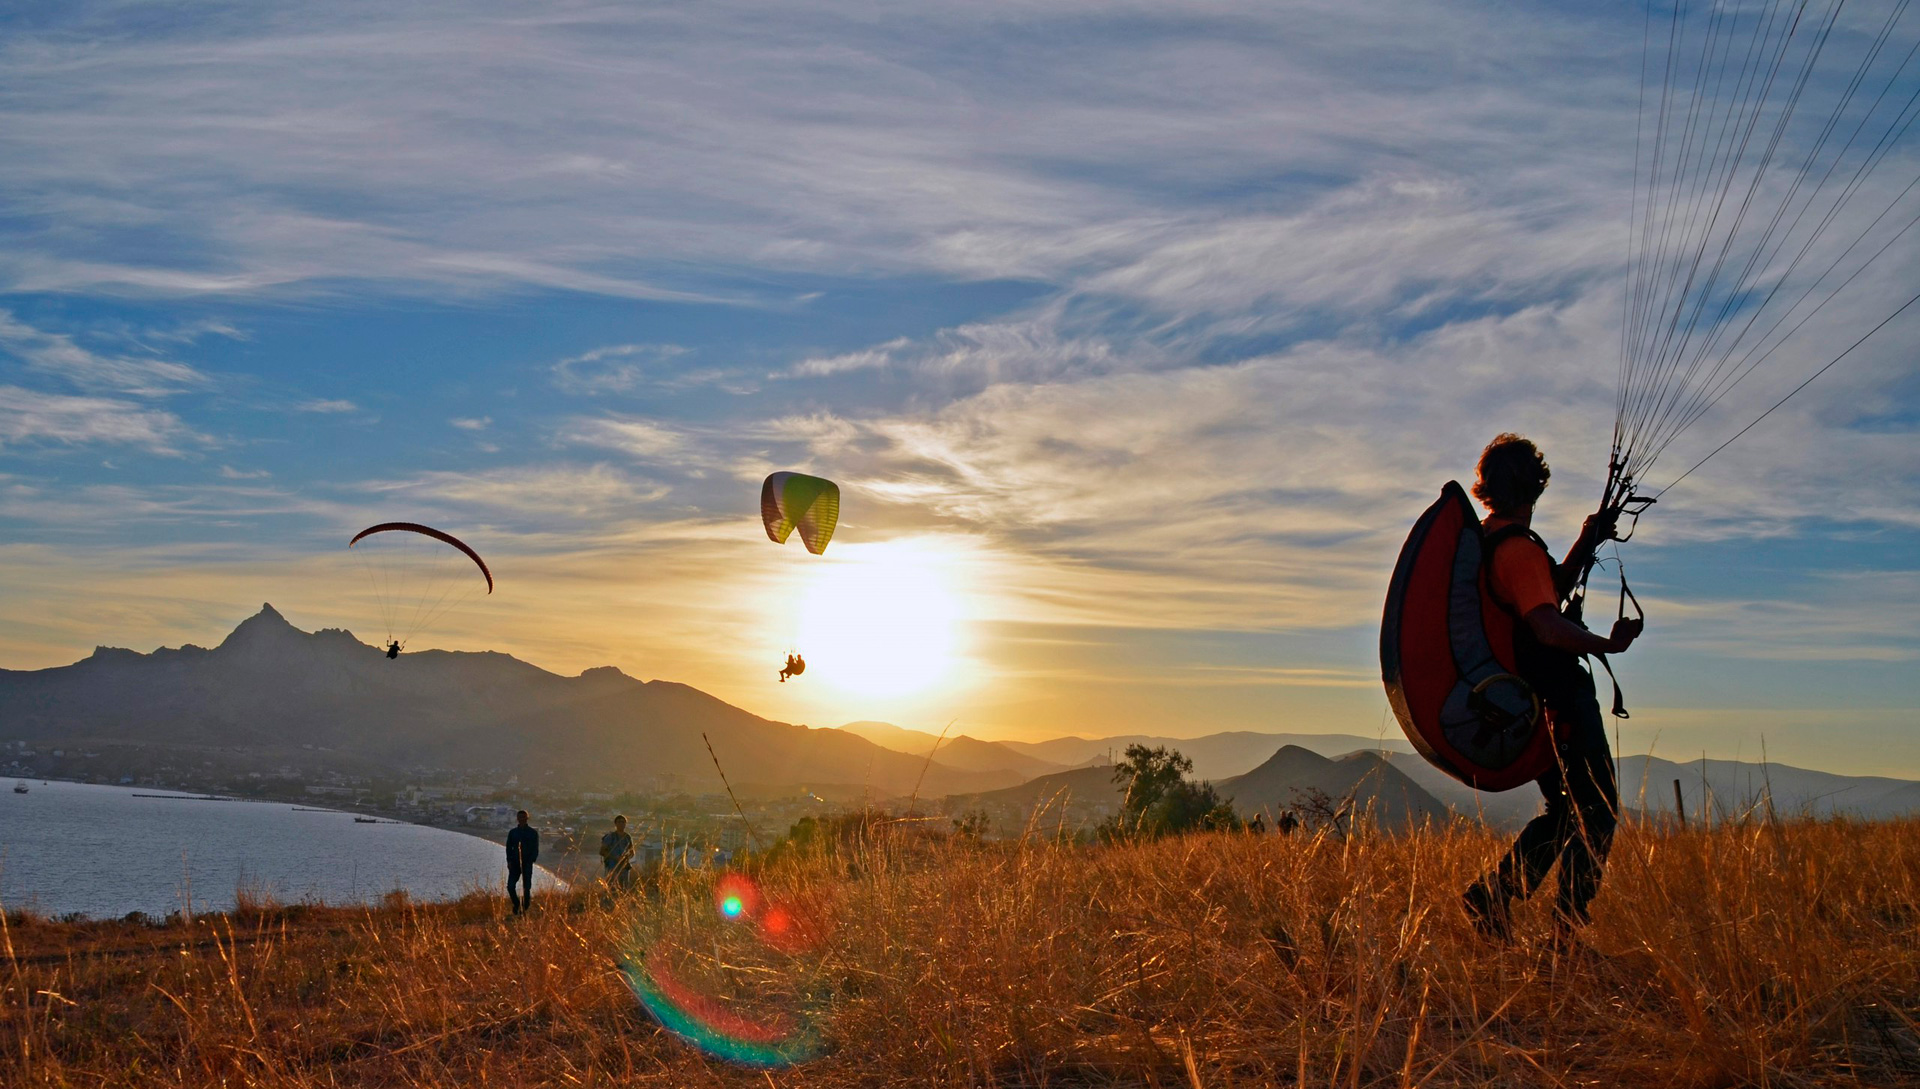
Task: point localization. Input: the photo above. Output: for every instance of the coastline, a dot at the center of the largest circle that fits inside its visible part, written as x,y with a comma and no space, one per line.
101,852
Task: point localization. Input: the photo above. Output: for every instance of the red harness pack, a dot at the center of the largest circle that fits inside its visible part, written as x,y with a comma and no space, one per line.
1447,657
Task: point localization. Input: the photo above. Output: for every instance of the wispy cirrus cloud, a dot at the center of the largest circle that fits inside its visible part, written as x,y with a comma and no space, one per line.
617,368
634,152
866,359
326,406
59,355
639,438
29,418
598,494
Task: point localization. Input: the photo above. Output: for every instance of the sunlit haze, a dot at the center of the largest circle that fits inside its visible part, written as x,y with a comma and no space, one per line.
881,621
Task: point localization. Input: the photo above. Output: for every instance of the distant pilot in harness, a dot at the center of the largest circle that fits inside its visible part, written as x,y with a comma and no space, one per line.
393,649
795,666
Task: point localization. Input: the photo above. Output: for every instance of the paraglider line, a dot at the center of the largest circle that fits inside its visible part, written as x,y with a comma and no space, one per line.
1725,217
1790,393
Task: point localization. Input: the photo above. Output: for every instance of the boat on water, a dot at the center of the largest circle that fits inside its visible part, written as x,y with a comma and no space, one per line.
20,787
366,820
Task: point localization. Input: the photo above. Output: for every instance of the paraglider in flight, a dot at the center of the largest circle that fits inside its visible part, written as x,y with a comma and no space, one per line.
790,501
810,504
417,573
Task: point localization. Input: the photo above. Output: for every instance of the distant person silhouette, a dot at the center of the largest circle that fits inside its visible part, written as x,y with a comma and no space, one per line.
393,649
795,666
1286,822
616,855
523,850
1583,801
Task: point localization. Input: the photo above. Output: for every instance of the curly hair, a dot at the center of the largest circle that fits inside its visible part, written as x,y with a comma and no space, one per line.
1512,474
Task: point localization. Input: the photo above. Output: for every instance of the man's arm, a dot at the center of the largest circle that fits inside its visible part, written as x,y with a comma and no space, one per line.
1558,632
1598,529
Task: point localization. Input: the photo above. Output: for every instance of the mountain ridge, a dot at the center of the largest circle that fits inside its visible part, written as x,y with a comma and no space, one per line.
960,752
270,686
1215,756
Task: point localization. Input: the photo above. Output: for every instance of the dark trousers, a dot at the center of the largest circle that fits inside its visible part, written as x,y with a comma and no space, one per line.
524,898
1583,804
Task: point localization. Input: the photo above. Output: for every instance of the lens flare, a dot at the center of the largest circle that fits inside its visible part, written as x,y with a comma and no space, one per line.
709,1024
744,1004
736,895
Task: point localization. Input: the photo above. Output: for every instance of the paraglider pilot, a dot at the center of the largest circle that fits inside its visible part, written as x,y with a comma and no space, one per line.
795,666
1582,798
393,649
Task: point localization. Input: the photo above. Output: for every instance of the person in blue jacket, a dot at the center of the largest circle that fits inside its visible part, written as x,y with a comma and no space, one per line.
523,850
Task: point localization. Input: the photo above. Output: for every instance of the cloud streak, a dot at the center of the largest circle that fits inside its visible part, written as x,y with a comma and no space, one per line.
58,355
32,419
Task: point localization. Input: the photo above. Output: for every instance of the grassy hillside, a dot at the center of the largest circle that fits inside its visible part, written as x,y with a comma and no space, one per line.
1745,955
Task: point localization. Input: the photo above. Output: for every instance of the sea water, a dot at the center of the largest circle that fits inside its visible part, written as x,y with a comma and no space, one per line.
104,851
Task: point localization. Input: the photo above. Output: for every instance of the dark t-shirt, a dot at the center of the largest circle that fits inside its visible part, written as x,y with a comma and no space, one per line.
523,847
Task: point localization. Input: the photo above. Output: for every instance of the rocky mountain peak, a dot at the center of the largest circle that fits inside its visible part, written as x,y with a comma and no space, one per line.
266,627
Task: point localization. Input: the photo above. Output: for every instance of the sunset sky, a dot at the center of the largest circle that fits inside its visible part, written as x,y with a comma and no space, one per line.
1136,336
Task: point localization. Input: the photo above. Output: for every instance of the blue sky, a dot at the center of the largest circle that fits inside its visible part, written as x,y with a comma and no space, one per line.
1139,333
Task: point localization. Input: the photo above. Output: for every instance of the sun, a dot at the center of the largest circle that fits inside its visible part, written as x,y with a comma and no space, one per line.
881,620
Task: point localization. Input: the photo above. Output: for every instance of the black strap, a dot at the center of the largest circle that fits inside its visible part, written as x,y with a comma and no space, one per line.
1619,701
1626,595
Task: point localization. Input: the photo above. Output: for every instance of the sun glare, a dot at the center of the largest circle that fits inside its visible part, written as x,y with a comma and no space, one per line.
881,620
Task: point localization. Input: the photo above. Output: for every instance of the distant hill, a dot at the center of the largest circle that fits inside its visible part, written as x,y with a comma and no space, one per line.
1086,785
272,688
1364,782
1508,809
1214,756
1282,780
962,753
1738,786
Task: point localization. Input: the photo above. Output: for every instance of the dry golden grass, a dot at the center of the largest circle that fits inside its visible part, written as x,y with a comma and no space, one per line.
1752,955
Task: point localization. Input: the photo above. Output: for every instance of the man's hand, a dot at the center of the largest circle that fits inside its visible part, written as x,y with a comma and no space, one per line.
1601,527
1625,631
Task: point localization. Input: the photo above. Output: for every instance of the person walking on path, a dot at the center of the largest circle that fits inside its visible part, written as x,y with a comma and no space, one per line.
1583,801
616,854
523,850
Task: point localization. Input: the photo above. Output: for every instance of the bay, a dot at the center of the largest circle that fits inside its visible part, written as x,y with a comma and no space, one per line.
104,851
